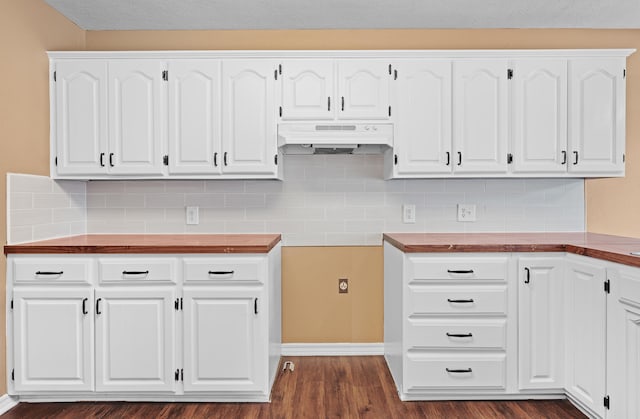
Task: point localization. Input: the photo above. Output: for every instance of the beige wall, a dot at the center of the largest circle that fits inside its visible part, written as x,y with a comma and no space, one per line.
28,28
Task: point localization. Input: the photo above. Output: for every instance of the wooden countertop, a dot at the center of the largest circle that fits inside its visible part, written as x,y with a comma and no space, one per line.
600,246
151,243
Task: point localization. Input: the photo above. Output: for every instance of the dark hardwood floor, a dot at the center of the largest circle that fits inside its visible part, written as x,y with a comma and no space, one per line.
320,387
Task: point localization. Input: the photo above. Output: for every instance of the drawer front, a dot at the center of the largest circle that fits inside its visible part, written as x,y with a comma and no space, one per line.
457,300
225,269
447,334
462,268
52,269
137,270
466,371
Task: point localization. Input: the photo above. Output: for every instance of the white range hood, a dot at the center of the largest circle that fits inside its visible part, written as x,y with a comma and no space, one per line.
334,138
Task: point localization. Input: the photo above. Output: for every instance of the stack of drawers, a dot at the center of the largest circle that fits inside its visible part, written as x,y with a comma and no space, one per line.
455,323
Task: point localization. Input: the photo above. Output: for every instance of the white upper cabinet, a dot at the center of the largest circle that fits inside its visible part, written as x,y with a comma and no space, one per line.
135,118
480,116
423,117
308,89
597,112
249,136
194,116
81,106
539,94
363,89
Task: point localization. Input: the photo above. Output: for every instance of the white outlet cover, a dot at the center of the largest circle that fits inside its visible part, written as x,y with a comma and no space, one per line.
409,214
192,215
466,212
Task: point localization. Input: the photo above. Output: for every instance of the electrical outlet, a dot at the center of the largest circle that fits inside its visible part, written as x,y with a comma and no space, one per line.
409,214
343,285
192,215
466,212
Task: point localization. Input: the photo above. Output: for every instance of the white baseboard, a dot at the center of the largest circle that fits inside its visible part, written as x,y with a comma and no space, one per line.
7,403
332,349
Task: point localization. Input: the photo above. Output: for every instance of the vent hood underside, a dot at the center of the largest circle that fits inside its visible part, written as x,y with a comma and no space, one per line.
316,138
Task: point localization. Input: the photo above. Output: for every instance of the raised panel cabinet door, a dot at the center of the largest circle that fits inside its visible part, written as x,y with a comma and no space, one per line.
540,322
422,138
249,136
81,117
194,117
363,89
53,339
480,116
135,340
225,344
308,89
135,117
597,115
585,334
623,344
539,116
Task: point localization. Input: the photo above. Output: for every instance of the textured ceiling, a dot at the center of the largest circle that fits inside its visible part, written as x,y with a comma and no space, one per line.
347,14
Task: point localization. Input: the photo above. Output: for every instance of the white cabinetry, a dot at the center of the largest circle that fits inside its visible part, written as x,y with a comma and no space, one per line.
540,325
308,89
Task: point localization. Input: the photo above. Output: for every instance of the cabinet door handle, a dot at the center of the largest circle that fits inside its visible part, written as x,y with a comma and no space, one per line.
459,371
111,159
464,301
460,271
328,103
98,306
575,154
564,156
448,158
101,159
342,99
49,273
84,306
215,159
224,158
255,306
528,278
459,335
221,272
135,272
459,158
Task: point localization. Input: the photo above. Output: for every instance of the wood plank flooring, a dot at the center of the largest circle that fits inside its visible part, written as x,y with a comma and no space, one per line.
320,387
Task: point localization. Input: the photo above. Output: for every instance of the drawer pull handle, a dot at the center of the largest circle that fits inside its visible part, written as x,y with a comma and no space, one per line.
221,272
460,271
49,273
459,371
526,281
466,301
84,306
460,335
98,306
135,272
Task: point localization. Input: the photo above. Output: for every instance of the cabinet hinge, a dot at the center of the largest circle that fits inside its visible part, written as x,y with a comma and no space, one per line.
395,159
389,69
280,111
395,74
280,69
275,74
275,159
607,286
176,304
176,375
509,74
13,375
165,75
165,160
509,158
389,110
607,402
55,76
181,307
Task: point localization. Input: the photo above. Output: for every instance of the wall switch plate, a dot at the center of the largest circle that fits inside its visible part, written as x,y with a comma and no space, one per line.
343,285
409,214
466,212
192,215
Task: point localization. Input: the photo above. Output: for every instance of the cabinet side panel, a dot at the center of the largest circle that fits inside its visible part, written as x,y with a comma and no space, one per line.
393,311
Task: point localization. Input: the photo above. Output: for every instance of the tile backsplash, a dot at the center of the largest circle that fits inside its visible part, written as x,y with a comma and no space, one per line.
331,200
39,208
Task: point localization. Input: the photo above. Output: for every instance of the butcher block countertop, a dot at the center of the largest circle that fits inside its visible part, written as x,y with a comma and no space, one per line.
151,243
600,246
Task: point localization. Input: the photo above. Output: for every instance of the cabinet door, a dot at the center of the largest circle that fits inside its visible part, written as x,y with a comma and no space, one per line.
135,118
597,116
249,137
480,116
422,139
585,331
363,89
81,117
623,349
308,89
53,339
540,116
135,340
225,345
540,322
194,117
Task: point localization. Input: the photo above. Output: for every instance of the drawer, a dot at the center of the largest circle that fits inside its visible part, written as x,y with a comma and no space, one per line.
461,299
225,269
137,270
52,269
458,334
462,268
425,371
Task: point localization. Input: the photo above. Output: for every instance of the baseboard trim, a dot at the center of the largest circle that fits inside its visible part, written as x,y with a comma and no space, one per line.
332,349
7,403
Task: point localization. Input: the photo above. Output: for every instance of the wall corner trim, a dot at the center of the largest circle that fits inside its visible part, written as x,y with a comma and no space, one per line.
332,349
7,403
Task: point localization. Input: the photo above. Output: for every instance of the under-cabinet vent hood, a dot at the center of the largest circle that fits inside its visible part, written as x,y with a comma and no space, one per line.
333,138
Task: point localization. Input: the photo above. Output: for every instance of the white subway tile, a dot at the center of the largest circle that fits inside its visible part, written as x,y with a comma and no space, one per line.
444,198
220,186
164,227
373,239
105,186
324,200
144,186
284,200
244,226
205,228
334,172
334,186
304,239
296,214
392,199
20,200
127,200
70,186
108,215
176,215
347,213
364,199
49,231
324,226
244,200
285,226
145,214
31,217
164,200
29,183
425,185
381,185
204,200
264,186
50,200
96,200
19,234
184,186
119,227
504,185
78,227
68,215
345,239
211,215
364,226
300,185
464,185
